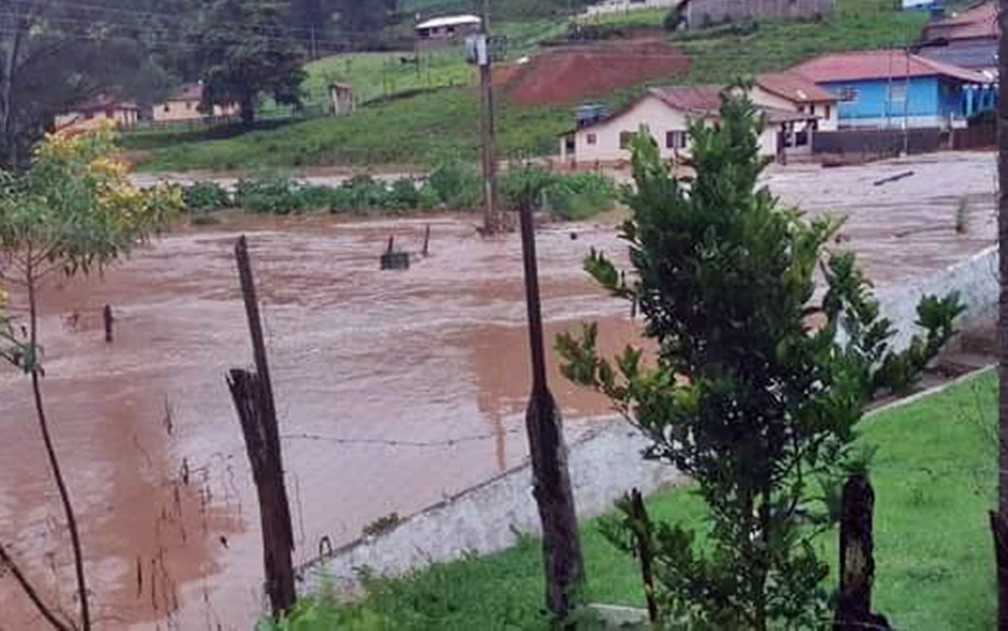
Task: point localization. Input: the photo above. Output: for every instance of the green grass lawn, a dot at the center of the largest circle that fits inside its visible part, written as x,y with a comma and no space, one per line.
417,129
934,475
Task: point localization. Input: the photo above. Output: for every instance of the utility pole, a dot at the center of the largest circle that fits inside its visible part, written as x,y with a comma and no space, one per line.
491,221
999,519
906,107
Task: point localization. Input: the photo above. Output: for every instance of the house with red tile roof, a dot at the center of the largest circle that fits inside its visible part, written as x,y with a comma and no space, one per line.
791,107
90,114
894,88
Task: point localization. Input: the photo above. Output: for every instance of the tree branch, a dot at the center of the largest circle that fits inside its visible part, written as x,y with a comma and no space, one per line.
47,612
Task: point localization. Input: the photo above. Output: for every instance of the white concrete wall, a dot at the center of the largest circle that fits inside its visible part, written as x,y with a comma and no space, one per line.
650,112
604,465
976,279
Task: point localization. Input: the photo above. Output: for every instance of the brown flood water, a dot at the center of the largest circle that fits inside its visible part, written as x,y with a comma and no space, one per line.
394,390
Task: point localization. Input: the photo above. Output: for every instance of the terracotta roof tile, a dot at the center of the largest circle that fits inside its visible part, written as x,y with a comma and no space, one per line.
794,87
877,64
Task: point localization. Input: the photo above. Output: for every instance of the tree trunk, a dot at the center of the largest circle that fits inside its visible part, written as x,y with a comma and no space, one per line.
54,464
247,106
1001,519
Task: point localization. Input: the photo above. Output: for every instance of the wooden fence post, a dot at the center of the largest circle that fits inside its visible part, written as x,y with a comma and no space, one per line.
108,319
564,566
857,559
253,399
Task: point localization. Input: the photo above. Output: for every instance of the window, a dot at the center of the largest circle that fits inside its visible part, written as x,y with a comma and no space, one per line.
188,105
592,139
848,94
675,140
897,92
827,114
624,139
167,108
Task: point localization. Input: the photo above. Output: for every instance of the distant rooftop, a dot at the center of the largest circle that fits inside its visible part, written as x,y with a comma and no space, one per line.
450,20
878,64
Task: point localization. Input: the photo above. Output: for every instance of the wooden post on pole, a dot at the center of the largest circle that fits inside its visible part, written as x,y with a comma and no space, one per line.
253,399
999,520
551,480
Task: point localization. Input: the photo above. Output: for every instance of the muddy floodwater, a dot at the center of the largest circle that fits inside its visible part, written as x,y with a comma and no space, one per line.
394,389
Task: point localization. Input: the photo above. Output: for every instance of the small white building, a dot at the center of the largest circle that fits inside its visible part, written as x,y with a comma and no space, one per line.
792,109
447,28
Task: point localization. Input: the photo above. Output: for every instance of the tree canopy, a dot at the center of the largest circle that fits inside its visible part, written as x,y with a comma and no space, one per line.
757,385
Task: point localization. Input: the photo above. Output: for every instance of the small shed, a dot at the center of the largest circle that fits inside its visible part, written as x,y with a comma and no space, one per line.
341,99
447,28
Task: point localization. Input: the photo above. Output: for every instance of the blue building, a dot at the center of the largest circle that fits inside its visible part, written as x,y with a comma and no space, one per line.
892,88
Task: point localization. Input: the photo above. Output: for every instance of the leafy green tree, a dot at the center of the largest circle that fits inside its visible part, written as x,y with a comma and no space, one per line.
246,49
73,212
757,386
54,54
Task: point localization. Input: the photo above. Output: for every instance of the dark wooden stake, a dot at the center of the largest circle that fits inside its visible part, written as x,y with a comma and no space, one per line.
426,241
857,560
643,532
551,479
391,243
107,316
253,399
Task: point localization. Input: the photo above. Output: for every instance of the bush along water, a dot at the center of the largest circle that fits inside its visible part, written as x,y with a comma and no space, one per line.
451,186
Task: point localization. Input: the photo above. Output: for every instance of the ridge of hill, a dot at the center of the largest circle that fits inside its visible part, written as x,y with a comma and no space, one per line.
415,114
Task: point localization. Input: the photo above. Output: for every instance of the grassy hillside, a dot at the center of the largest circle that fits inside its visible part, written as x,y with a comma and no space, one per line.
415,129
934,475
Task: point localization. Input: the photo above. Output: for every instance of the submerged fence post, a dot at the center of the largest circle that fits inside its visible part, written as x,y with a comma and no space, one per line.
857,558
253,399
109,320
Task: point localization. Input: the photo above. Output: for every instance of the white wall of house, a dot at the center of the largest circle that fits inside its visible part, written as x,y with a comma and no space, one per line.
182,110
827,112
602,142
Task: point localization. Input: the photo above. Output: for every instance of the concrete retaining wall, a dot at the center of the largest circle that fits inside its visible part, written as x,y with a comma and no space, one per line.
976,280
604,465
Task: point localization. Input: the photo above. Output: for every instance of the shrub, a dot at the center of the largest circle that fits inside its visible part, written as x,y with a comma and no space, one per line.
403,195
457,185
427,197
581,195
267,195
366,193
525,185
203,197
313,197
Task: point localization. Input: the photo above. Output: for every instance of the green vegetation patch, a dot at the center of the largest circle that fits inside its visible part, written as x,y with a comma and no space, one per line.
934,475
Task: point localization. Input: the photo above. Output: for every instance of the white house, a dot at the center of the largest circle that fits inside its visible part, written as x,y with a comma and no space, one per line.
447,28
792,108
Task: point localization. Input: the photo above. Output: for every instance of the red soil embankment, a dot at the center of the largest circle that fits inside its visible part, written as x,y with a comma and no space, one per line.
578,72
